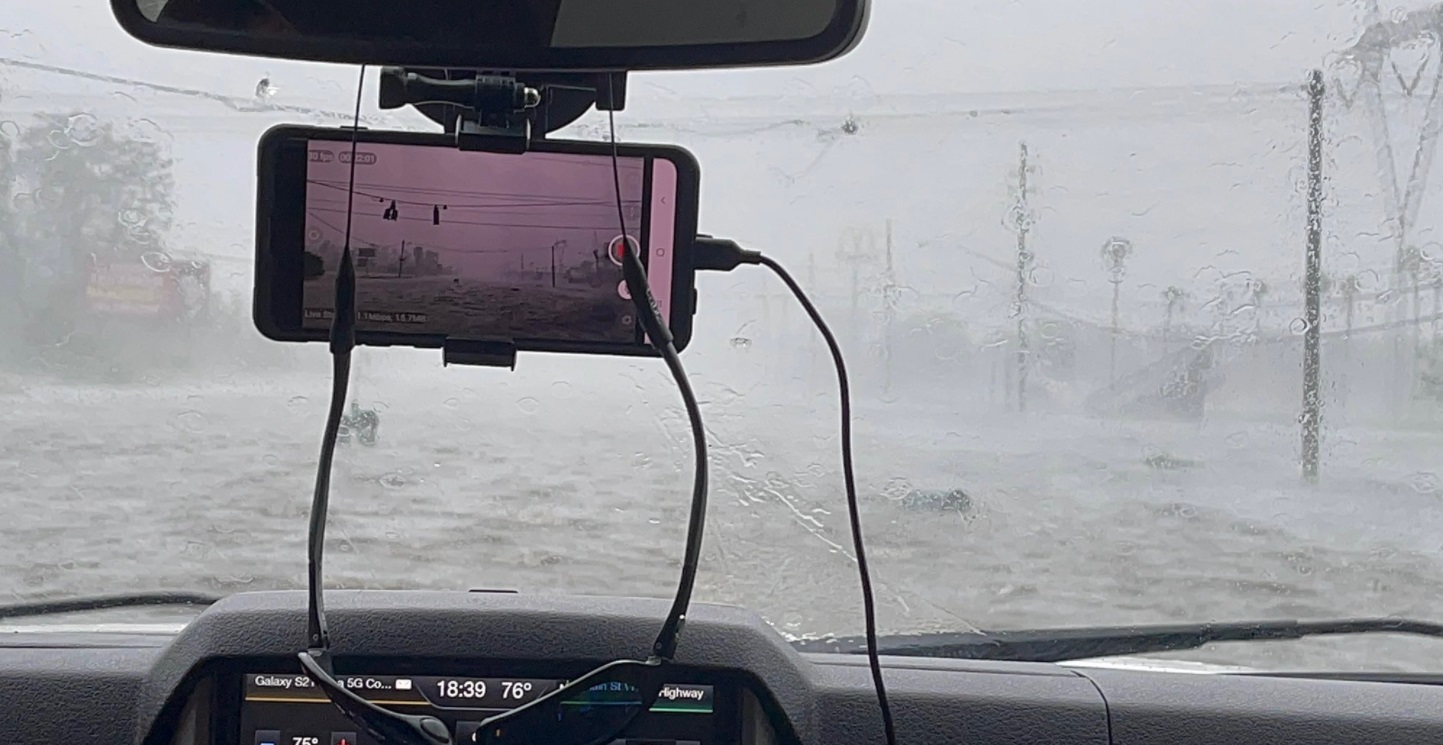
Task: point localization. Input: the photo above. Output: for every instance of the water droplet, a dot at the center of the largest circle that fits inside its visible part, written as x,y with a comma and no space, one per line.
156,261
561,389
1426,483
1041,277
190,420
83,129
452,403
896,488
271,459
58,139
528,405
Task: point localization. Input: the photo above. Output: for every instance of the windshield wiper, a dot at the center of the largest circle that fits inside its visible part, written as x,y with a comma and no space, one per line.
104,602
1059,645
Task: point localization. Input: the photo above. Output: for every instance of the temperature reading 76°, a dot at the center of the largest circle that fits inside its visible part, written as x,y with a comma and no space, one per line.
515,690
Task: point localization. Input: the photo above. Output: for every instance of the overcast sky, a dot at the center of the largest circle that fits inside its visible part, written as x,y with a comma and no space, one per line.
1190,177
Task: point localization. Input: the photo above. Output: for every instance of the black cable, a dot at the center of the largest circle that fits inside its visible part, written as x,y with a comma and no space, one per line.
384,725
869,610
342,341
657,331
719,254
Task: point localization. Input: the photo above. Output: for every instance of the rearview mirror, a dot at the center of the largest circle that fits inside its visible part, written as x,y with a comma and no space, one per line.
557,35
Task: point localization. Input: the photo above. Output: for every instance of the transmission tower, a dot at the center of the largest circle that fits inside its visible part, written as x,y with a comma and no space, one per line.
1366,76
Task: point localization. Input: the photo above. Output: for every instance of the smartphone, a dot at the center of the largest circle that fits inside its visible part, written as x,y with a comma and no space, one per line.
448,244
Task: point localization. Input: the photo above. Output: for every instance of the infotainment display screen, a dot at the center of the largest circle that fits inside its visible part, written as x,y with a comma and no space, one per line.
288,709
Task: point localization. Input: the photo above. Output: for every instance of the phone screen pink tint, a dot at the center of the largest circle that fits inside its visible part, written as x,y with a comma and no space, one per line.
493,223
662,236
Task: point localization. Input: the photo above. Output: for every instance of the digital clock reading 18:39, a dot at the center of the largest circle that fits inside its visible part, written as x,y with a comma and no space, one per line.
461,688
482,693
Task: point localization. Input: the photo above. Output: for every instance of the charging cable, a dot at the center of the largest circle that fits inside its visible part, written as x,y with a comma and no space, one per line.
723,255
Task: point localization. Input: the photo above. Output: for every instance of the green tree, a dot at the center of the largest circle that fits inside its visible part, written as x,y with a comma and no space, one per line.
75,189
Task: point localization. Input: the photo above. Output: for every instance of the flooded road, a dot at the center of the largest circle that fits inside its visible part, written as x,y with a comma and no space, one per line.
548,484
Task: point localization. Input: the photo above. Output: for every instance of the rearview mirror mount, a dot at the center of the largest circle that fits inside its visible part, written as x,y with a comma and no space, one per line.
549,35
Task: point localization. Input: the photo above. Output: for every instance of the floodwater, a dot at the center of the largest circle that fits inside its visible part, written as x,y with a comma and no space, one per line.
468,307
547,483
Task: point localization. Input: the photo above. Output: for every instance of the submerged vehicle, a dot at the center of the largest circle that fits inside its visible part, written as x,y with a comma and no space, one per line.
363,423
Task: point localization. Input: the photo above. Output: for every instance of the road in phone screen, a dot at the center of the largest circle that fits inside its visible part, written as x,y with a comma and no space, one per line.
483,245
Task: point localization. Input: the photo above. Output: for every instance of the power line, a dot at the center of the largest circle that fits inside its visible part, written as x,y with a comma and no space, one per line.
611,226
245,105
436,190
600,212
537,200
440,248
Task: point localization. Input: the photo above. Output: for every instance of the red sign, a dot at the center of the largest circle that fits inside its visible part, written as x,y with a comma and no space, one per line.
136,290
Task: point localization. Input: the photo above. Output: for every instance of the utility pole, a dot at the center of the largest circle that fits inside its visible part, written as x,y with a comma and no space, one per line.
889,301
1437,272
1312,419
1413,267
857,246
1349,290
553,262
1174,296
1114,254
401,262
1021,222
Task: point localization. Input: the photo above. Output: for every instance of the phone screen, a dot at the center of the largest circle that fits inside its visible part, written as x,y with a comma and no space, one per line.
481,245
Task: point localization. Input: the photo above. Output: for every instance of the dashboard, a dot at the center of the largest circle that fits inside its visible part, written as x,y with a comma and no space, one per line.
277,708
231,676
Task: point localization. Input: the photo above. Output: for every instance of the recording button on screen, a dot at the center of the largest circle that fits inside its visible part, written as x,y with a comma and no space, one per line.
614,248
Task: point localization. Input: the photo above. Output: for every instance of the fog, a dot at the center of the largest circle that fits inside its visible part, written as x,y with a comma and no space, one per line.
1153,476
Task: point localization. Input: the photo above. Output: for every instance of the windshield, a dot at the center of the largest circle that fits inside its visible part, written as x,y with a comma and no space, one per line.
1063,245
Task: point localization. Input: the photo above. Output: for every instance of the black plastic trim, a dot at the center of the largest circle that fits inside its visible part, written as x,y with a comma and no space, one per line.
53,692
839,37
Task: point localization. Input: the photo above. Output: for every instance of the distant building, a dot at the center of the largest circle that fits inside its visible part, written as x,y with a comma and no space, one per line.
424,262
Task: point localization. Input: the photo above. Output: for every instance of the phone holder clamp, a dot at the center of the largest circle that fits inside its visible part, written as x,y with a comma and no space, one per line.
501,111
489,112
479,353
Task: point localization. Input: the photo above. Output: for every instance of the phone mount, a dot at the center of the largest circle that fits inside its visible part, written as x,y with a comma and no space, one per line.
500,111
497,112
